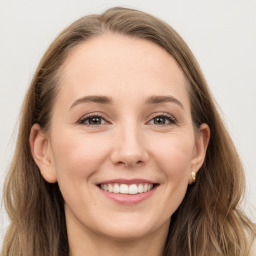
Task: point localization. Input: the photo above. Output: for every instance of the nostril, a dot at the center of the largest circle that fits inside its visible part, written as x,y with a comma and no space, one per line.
130,164
128,158
122,163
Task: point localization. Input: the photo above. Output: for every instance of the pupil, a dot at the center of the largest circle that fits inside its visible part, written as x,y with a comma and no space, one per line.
95,120
159,120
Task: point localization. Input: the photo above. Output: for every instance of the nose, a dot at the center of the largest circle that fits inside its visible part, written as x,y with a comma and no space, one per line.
129,147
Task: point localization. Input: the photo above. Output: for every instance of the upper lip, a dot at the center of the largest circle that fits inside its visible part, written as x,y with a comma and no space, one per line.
127,181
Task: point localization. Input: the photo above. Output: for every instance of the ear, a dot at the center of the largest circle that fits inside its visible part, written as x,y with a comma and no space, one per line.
201,144
42,154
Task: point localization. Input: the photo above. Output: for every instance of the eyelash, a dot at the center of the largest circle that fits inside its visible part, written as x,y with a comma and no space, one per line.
91,116
87,118
169,118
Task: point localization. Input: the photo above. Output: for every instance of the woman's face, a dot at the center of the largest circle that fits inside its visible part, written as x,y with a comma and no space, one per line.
121,143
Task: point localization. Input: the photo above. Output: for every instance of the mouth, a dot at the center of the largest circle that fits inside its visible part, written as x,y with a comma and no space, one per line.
128,189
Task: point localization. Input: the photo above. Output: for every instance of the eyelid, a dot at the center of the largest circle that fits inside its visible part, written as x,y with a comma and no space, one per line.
172,119
92,114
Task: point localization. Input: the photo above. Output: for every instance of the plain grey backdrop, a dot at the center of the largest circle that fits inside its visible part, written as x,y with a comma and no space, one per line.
221,34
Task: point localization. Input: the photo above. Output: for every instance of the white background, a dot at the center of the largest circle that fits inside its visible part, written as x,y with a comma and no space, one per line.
221,34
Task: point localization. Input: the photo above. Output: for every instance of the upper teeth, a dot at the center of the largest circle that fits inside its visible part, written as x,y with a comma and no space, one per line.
127,189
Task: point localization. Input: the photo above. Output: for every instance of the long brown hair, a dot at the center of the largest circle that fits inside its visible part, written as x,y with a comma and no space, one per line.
208,222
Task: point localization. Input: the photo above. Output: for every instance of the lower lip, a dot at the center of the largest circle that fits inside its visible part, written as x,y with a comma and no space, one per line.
127,198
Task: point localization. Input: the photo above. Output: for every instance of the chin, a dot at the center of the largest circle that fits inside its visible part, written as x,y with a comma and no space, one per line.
126,235
130,230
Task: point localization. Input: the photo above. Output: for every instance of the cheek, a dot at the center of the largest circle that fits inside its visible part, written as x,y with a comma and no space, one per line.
76,157
174,154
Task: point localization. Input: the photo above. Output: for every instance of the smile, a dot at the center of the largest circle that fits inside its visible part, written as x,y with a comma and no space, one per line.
131,189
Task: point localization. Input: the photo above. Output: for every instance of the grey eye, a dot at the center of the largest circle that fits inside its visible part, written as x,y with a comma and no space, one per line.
93,120
162,120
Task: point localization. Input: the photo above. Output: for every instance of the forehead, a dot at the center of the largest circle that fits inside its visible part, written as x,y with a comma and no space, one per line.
112,63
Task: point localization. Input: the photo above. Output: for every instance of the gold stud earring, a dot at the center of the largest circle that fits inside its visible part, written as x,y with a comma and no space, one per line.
193,174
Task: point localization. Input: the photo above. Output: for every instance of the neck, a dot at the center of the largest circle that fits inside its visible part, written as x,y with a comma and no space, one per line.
86,242
117,248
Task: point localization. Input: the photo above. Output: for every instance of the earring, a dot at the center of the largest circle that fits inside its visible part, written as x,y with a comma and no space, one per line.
193,174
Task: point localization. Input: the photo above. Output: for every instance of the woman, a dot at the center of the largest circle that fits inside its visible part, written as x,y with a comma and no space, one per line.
121,150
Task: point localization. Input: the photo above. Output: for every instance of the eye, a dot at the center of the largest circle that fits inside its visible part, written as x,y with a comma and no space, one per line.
163,120
94,120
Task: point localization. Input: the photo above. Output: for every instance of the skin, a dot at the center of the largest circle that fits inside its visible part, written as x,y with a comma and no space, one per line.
128,142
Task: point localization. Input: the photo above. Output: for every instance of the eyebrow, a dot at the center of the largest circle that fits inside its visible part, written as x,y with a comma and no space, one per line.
162,99
93,98
156,99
